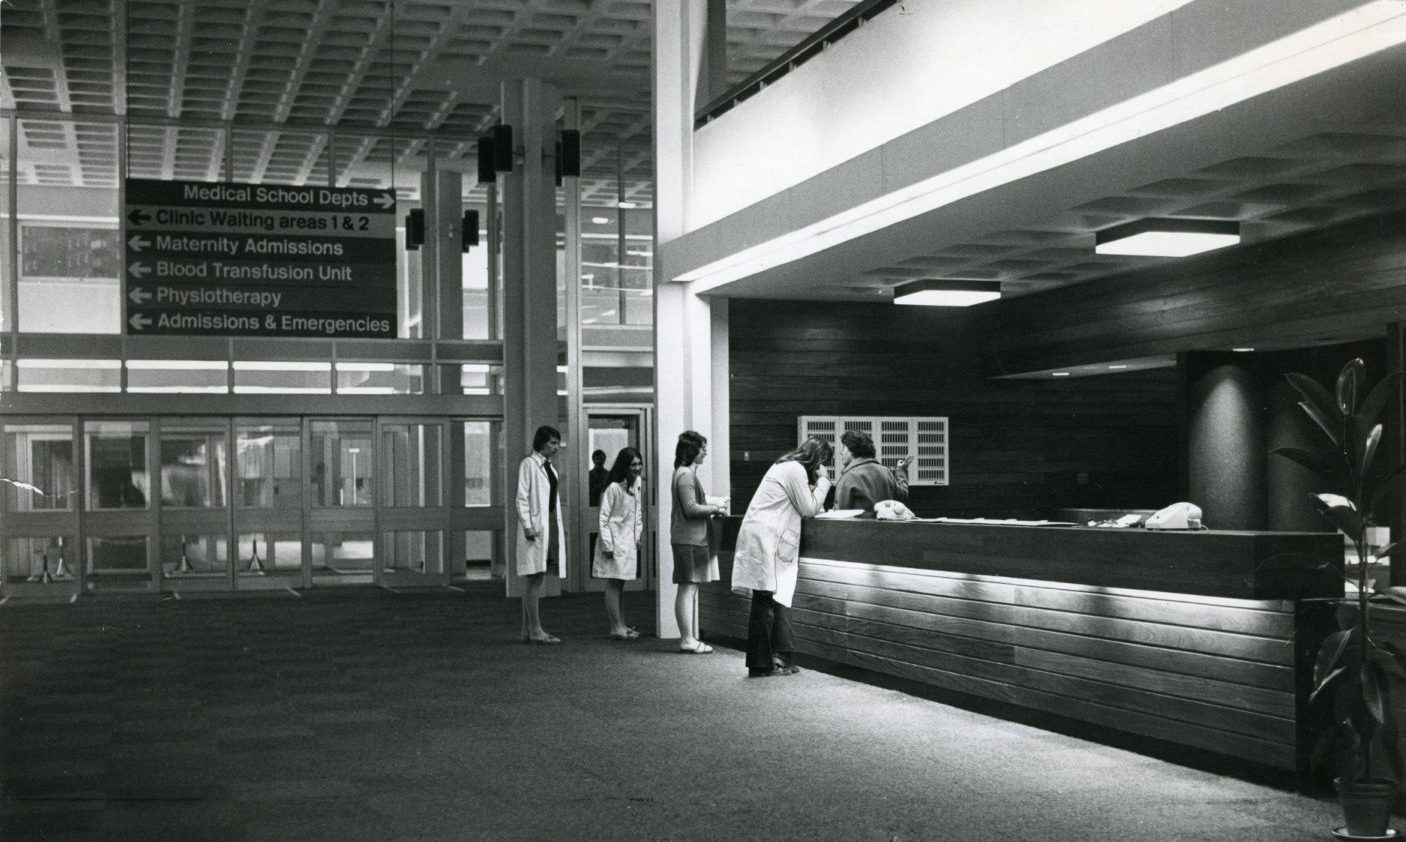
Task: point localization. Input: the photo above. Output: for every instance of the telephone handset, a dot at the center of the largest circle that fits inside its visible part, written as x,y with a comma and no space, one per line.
1175,516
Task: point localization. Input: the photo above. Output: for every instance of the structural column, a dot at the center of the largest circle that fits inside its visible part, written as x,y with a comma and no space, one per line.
442,254
530,300
686,333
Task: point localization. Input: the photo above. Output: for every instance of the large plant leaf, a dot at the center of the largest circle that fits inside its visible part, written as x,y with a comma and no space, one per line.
1319,405
1326,464
1349,388
1369,449
1330,681
1374,691
1331,425
1354,443
1313,392
1398,657
1331,656
1339,512
1391,746
1376,401
1387,484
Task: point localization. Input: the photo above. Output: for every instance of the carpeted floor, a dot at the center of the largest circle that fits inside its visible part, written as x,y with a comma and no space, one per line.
370,715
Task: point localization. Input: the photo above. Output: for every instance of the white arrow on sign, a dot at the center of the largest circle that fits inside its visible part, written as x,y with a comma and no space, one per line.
385,200
138,243
139,295
138,269
138,321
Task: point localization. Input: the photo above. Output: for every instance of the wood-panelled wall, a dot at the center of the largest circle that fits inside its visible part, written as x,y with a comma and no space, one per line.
1344,281
1018,448
1217,675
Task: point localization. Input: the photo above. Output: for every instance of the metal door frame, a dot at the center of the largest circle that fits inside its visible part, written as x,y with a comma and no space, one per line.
587,517
427,518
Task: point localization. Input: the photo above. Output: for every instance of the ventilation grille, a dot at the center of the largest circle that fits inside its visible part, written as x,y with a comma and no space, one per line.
894,438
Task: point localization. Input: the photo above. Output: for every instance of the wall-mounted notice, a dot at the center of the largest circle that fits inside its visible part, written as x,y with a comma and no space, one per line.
223,259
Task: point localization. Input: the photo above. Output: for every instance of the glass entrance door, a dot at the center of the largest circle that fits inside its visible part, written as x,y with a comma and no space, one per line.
39,524
342,520
119,521
193,487
270,493
608,429
414,518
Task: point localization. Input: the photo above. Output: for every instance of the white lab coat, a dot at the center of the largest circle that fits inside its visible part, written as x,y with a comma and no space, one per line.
621,524
769,540
533,503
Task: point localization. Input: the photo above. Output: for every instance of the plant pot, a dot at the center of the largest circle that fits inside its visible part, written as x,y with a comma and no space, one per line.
1366,805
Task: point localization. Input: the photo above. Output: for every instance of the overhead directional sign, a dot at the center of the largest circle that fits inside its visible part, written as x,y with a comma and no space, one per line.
259,259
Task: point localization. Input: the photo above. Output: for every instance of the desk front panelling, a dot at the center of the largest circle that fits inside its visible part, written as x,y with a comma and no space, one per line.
1214,673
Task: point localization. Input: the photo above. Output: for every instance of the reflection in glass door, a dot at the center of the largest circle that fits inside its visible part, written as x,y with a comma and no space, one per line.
119,522
193,480
413,516
39,549
342,521
268,503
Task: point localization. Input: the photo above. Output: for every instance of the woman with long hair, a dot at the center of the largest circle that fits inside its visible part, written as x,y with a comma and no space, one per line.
694,560
541,545
768,551
617,548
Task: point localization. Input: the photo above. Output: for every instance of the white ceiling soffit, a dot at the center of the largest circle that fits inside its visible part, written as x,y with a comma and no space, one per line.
1068,181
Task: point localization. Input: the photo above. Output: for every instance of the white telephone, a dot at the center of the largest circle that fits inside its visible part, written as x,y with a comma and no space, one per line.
1175,516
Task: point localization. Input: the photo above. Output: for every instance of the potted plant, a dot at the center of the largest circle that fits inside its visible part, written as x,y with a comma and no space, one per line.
1353,671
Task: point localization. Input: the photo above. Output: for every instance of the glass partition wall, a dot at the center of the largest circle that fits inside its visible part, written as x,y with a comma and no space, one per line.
179,464
175,504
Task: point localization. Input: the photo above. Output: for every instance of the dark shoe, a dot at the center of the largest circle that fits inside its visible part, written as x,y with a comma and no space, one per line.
764,673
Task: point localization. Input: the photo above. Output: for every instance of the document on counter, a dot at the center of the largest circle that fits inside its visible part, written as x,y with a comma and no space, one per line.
992,521
840,514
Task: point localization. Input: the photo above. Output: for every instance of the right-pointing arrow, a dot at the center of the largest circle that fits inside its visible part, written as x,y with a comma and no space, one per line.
139,322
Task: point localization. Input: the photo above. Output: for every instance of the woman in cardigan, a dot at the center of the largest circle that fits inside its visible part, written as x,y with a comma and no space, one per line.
541,545
694,561
617,549
768,550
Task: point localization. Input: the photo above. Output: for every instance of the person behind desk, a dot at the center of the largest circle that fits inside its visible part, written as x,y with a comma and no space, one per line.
864,480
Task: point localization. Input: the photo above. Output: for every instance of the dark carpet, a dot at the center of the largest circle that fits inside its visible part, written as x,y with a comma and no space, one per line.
370,715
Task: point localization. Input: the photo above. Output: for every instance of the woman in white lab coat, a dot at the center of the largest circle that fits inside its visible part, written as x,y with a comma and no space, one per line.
541,545
768,552
617,547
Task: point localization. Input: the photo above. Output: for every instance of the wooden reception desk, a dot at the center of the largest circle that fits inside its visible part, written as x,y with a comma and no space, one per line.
1198,639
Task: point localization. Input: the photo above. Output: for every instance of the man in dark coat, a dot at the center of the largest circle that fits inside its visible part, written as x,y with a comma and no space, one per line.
864,480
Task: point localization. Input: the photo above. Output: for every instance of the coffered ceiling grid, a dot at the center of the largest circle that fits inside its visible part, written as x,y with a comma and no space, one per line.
414,68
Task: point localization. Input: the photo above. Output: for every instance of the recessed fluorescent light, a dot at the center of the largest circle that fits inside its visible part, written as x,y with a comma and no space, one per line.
1118,366
1242,350
1167,237
600,220
626,205
1059,374
938,293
